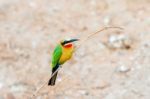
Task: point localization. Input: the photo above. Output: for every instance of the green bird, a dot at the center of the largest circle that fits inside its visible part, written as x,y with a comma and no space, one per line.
63,52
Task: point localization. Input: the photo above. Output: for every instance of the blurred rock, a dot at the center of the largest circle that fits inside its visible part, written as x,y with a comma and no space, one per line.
9,96
18,88
107,20
1,84
103,84
123,69
83,92
120,41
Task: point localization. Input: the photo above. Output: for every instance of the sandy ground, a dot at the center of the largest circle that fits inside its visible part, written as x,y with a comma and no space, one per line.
112,65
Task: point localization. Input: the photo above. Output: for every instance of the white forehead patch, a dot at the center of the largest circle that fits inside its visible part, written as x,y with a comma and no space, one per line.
67,39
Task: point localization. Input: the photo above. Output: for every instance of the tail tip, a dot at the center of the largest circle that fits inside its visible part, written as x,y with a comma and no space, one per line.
51,84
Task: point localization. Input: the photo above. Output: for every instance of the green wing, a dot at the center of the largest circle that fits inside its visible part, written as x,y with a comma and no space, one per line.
56,55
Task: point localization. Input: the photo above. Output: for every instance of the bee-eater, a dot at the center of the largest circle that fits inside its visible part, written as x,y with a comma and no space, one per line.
61,54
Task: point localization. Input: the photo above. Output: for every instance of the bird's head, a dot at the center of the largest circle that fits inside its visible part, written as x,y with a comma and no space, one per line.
68,42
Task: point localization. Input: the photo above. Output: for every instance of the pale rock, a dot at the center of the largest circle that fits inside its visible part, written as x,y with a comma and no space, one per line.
123,69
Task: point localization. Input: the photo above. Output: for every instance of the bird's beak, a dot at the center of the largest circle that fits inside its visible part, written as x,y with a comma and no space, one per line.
69,41
73,40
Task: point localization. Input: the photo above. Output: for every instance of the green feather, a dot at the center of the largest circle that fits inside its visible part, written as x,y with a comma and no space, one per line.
56,55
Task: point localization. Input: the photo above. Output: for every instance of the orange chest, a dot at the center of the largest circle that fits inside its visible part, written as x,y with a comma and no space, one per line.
66,54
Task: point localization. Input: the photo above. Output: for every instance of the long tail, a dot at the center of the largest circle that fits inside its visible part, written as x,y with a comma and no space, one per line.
52,80
54,76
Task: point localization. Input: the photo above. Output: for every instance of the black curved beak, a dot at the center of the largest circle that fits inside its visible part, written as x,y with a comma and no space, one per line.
73,40
69,41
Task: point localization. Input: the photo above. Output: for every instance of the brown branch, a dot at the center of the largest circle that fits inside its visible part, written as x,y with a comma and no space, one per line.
45,82
94,33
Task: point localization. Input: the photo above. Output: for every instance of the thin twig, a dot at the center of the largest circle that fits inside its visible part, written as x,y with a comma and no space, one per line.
45,82
105,28
94,33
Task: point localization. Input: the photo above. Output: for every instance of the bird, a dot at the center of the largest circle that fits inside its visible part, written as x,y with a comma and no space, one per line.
62,53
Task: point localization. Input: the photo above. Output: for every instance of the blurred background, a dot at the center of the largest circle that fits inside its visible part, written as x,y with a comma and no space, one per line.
112,65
